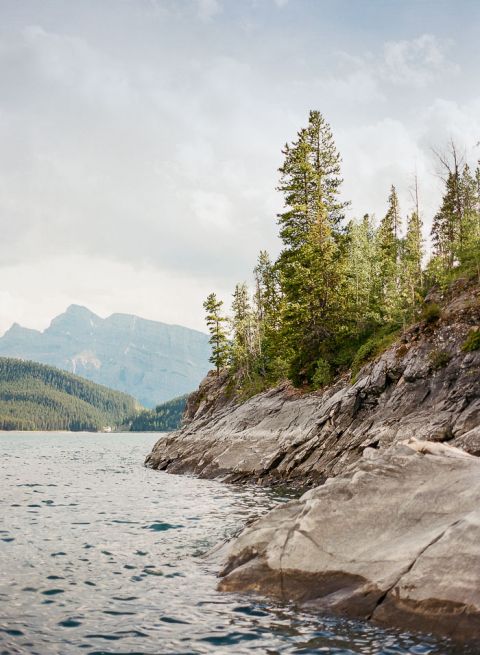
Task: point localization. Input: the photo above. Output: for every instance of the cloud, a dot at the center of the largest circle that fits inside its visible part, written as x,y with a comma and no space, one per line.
146,157
388,153
105,287
445,120
416,62
207,9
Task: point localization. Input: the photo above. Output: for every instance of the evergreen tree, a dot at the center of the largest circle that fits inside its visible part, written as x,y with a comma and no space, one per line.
411,261
364,273
296,177
310,183
245,330
313,287
446,224
456,226
310,264
389,258
268,309
468,248
218,335
267,291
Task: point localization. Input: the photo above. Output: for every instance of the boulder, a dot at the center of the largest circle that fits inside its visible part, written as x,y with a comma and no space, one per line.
394,538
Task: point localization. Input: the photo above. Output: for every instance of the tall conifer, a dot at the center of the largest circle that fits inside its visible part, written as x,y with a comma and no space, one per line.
218,335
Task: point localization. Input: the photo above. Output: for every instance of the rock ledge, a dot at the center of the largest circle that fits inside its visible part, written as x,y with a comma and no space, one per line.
283,435
394,539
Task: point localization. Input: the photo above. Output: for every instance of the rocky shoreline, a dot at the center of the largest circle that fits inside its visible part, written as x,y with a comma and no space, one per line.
424,386
393,540
390,531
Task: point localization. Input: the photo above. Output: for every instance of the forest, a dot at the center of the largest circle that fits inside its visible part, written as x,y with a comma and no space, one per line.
164,418
38,397
341,290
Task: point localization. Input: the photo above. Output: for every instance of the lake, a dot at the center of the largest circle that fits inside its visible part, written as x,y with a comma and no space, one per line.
100,555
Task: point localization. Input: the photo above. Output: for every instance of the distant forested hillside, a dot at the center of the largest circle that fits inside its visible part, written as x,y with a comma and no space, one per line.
164,418
38,397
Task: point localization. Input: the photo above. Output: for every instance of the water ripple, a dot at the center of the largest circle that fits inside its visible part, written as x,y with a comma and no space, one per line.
106,561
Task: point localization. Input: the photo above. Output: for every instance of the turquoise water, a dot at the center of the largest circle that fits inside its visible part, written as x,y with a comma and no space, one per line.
100,555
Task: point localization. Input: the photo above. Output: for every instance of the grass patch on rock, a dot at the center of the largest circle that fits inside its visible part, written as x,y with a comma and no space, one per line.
373,347
439,359
472,342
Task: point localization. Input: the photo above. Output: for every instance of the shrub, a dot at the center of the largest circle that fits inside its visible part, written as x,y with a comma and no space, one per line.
431,313
363,354
322,375
371,348
439,359
472,342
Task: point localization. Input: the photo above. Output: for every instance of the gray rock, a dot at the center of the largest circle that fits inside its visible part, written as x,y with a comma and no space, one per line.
284,435
393,539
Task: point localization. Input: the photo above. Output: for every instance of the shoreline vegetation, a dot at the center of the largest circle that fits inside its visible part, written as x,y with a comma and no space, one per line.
341,292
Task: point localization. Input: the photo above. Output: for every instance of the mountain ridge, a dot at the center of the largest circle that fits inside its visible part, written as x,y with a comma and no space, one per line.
150,360
74,306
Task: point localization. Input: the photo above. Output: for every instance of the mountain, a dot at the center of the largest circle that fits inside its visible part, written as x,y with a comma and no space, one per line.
38,397
149,360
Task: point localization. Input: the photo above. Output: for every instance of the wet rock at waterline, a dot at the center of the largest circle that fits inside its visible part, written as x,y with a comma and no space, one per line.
393,539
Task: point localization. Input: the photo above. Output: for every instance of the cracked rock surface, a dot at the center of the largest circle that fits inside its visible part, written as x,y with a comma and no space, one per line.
393,539
424,386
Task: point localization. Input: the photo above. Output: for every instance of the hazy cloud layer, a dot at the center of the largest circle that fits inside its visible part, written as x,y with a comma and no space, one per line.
140,139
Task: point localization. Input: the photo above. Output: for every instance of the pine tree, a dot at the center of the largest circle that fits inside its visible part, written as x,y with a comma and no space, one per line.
296,177
467,250
311,264
245,330
446,224
312,285
411,261
268,298
218,335
267,291
364,274
310,182
389,258
325,161
456,226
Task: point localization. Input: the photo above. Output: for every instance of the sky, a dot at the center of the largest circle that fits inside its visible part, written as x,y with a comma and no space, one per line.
140,139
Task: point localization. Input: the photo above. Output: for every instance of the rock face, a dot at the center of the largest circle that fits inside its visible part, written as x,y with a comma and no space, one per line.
425,386
151,361
394,539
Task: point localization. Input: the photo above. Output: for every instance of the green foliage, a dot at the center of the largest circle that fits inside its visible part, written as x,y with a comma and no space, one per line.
411,276
322,375
164,418
472,342
338,294
218,335
372,347
456,226
38,397
439,358
312,263
431,313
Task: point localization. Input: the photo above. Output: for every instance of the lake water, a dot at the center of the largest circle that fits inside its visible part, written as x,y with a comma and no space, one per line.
100,555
